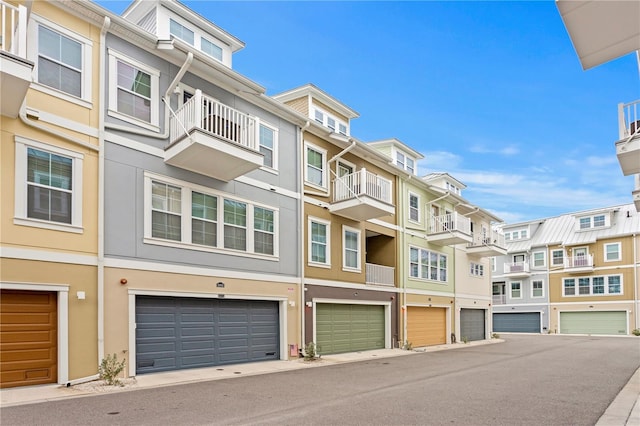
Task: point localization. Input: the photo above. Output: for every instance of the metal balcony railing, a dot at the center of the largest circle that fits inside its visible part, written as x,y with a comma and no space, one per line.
449,223
380,275
585,261
13,29
361,183
222,121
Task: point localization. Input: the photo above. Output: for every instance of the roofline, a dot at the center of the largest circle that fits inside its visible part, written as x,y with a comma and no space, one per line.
313,90
399,143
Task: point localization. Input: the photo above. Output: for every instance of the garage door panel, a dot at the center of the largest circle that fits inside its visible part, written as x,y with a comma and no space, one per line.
516,322
472,324
347,328
602,322
426,326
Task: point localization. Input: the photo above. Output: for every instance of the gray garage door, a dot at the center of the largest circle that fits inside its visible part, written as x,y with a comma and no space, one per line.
174,333
472,324
517,322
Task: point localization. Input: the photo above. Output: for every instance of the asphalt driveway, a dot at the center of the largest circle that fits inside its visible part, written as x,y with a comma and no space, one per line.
527,380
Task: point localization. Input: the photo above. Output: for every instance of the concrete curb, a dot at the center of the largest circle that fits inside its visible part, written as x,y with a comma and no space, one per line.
625,408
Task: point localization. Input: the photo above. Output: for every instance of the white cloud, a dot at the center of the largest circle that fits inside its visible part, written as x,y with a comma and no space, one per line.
506,151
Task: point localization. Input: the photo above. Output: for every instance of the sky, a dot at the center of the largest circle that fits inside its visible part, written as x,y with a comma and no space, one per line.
492,93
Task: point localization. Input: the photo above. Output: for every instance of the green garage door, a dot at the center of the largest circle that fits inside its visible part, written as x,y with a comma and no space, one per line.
349,328
472,324
605,322
517,322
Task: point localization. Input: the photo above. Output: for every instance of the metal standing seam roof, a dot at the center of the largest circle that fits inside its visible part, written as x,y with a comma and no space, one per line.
561,230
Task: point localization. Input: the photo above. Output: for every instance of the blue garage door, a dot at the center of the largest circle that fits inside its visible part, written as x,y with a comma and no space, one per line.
516,322
174,333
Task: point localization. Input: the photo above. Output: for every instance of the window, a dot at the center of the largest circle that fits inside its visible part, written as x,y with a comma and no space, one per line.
598,221
493,264
315,171
342,129
539,259
612,252
557,257
507,236
523,233
331,123
48,186
516,290
268,145
585,222
319,116
476,269
595,221
133,91
400,161
181,31
351,246
588,286
216,222
319,239
414,207
410,165
537,288
211,49
427,265
62,61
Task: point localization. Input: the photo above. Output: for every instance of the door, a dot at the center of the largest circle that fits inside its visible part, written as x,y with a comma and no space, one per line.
349,328
517,322
435,219
426,326
472,324
499,295
28,338
580,257
174,333
604,322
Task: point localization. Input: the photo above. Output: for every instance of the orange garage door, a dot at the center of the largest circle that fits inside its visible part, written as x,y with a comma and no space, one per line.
426,326
28,338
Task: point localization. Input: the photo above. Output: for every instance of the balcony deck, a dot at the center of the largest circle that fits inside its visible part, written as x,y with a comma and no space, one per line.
449,229
486,245
578,264
362,195
380,275
15,69
628,147
517,270
213,139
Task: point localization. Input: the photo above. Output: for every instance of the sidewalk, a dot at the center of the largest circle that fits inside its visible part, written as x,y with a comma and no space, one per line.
623,411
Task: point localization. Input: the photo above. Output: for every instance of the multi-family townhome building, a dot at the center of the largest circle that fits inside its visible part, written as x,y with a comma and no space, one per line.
200,214
350,233
601,32
585,264
49,172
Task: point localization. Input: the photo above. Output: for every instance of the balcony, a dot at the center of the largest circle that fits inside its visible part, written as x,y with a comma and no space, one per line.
361,196
579,264
628,147
449,229
485,245
213,139
15,69
517,269
499,299
380,275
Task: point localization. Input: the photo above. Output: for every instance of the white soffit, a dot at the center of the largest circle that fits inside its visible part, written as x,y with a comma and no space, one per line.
601,30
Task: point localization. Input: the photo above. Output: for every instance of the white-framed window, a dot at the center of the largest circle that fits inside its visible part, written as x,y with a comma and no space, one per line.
414,207
315,172
493,263
539,259
319,242
537,288
185,215
342,129
400,160
427,265
590,286
48,186
62,61
330,121
595,221
557,257
476,269
351,249
133,91
180,31
507,236
268,142
411,166
211,49
516,290
612,252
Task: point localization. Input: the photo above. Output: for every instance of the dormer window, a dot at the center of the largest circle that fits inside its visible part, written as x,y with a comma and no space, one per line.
183,33
410,165
400,160
319,117
331,122
211,49
342,129
595,221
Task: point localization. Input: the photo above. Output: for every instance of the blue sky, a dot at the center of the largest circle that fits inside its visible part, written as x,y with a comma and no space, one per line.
490,92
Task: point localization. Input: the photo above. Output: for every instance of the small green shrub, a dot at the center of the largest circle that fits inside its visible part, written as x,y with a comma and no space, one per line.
407,345
495,336
465,339
310,352
110,368
636,332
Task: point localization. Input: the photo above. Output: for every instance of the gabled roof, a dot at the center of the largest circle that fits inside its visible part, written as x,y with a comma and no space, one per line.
398,144
440,175
315,92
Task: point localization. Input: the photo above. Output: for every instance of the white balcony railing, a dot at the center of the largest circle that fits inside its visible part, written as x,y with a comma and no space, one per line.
583,261
380,275
499,299
222,121
491,238
515,267
449,223
13,29
629,119
360,183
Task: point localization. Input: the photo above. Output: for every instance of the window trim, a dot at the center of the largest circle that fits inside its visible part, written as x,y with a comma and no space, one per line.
345,267
438,280
476,269
591,293
187,189
561,258
533,296
112,105
310,262
276,135
544,259
511,283
417,208
604,248
21,199
324,185
86,90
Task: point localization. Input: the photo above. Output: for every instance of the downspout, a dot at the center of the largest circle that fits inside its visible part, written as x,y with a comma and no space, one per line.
167,101
101,202
301,231
636,264
344,151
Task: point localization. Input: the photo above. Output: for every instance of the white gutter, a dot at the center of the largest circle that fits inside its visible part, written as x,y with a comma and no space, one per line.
101,201
439,198
166,99
344,151
302,307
